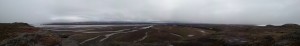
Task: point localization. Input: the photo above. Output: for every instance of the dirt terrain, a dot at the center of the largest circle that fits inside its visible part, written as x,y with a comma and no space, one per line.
175,35
23,34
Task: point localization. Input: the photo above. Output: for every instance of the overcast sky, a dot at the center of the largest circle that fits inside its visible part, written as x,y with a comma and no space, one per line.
189,11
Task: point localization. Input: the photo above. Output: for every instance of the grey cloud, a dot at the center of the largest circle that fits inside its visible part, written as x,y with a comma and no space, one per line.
189,11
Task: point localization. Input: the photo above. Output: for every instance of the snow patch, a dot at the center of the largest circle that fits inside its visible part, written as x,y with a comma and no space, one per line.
107,36
202,31
191,35
132,31
90,39
91,32
261,25
147,27
177,35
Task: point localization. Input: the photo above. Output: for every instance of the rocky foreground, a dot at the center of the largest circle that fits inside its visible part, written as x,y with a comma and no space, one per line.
152,35
22,34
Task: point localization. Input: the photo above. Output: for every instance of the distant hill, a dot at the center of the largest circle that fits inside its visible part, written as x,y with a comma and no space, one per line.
97,23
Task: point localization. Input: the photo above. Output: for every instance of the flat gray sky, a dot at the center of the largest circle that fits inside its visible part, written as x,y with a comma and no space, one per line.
189,11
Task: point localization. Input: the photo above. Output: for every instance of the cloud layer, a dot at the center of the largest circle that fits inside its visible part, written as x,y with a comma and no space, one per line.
189,11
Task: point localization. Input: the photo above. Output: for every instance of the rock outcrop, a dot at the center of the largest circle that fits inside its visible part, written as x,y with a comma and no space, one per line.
22,34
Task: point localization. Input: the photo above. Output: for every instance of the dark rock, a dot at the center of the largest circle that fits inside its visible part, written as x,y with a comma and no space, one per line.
270,25
291,25
64,36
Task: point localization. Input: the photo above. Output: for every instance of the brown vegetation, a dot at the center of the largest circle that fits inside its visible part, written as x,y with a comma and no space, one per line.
22,34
